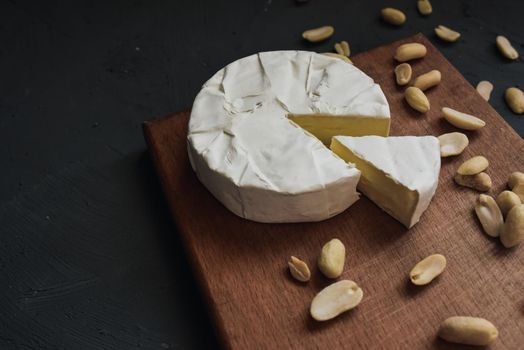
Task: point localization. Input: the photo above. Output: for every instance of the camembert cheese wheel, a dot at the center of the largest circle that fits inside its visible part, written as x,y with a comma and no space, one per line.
259,128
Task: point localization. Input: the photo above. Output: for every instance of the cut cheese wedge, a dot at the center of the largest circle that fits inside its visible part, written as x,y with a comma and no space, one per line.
400,174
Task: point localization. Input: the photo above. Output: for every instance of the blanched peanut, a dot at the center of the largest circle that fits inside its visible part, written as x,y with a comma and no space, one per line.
410,51
338,49
507,200
505,48
512,231
452,144
424,7
515,99
447,34
427,269
335,299
515,178
427,80
462,120
318,34
468,330
417,99
473,166
345,48
519,190
332,258
403,73
299,269
484,88
489,215
393,16
480,182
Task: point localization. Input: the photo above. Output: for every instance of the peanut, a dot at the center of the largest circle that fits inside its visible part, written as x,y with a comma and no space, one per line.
427,269
299,269
447,34
505,48
507,200
515,178
513,229
393,16
515,99
338,49
484,88
427,80
417,99
424,7
452,144
318,34
489,215
335,299
332,258
473,166
480,182
519,190
403,73
345,48
410,51
462,120
468,330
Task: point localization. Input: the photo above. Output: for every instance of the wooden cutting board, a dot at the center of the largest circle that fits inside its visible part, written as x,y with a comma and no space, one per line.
242,265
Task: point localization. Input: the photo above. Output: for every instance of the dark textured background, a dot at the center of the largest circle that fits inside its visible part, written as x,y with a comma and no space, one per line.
89,258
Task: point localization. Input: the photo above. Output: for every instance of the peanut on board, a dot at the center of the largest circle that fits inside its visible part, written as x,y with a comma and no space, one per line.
489,215
393,16
505,48
417,99
519,190
299,269
515,178
484,88
480,182
468,330
507,200
516,184
332,258
318,34
515,99
462,120
428,80
403,73
452,144
473,166
512,231
427,269
335,299
410,51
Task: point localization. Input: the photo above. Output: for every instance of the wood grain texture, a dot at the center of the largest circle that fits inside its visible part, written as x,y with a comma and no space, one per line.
241,265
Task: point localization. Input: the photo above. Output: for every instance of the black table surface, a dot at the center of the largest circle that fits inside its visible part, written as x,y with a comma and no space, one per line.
89,257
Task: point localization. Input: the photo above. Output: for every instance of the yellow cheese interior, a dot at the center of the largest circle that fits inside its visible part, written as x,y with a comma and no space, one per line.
324,127
394,198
